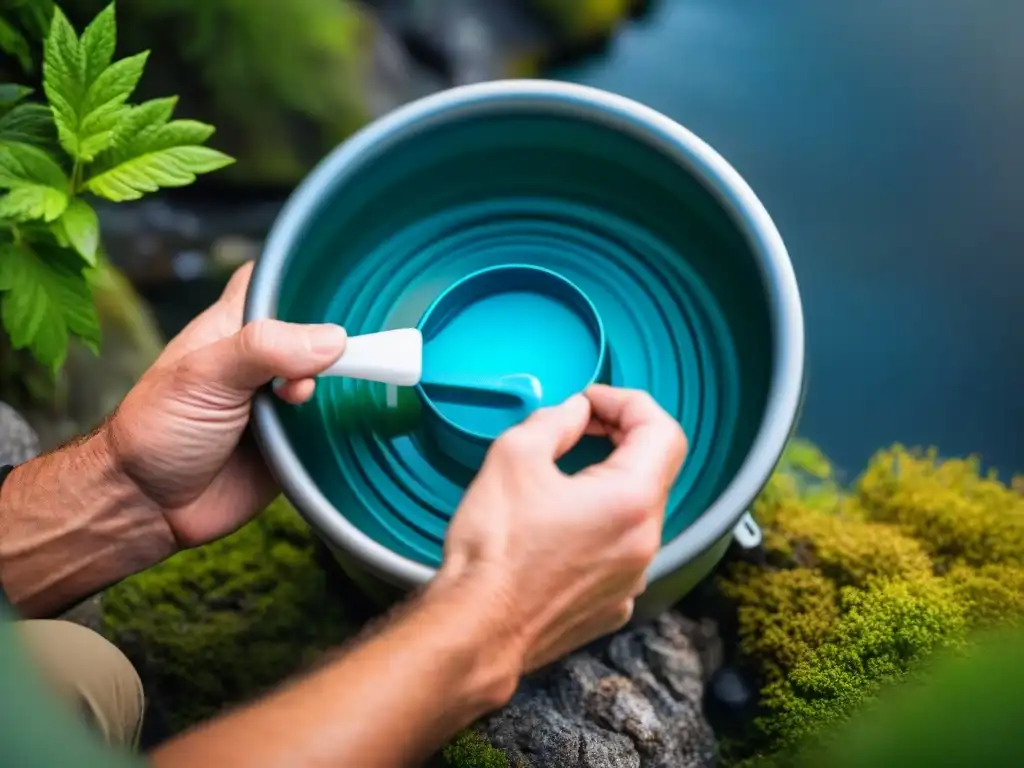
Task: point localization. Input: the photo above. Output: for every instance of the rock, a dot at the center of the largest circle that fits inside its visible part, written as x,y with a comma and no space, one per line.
635,700
18,441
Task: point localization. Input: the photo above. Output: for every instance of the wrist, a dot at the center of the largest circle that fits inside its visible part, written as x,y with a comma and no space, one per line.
71,522
489,648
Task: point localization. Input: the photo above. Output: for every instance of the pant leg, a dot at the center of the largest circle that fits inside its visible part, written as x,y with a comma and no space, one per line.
91,674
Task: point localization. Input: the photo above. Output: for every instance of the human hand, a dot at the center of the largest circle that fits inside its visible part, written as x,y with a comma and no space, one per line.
180,433
561,557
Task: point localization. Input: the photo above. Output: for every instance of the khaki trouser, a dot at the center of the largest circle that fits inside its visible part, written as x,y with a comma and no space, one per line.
89,673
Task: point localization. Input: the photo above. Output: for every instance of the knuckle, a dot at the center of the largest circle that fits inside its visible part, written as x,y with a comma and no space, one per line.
256,337
637,501
639,558
622,613
515,443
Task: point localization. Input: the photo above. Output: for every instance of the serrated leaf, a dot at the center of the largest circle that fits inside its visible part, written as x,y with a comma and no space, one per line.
11,94
80,228
172,167
32,202
22,164
13,43
63,79
39,188
148,114
104,105
29,124
44,302
98,42
86,92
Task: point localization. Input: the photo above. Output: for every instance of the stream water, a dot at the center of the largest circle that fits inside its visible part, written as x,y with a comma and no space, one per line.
886,141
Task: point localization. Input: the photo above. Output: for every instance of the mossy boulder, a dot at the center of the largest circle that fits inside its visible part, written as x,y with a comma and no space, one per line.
217,626
860,585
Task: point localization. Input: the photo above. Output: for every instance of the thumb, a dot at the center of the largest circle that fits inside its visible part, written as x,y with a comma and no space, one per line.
267,349
555,430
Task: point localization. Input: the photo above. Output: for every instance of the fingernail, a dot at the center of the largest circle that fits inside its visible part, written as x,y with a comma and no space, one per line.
278,383
576,400
326,338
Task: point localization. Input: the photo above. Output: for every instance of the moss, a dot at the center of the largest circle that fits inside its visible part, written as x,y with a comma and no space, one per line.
216,626
581,21
860,586
471,750
955,511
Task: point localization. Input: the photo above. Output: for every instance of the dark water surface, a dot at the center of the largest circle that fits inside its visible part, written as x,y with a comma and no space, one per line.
887,141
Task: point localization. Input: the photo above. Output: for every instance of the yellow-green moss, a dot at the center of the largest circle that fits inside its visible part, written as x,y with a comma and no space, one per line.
583,20
471,750
218,625
957,513
860,586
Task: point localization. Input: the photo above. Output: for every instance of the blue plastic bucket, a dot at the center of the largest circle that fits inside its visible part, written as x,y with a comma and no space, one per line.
614,207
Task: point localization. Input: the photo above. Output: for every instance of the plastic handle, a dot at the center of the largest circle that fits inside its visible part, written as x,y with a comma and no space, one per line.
390,357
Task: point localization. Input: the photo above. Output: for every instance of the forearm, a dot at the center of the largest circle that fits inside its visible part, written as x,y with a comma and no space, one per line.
70,525
392,700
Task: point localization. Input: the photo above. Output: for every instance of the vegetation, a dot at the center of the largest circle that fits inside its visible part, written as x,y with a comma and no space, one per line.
86,141
583,21
965,711
282,81
471,750
216,626
862,585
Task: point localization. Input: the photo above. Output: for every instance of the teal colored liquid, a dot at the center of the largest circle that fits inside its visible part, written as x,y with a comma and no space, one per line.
506,338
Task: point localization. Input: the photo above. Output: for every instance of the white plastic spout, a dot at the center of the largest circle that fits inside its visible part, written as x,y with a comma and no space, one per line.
390,357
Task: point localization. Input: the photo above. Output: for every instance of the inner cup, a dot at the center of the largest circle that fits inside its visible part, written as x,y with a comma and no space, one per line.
502,342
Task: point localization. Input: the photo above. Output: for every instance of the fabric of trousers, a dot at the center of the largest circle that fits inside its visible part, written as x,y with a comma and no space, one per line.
91,675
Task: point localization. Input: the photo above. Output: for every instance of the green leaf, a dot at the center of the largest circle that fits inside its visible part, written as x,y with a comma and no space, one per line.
46,301
79,227
105,105
33,202
148,114
171,167
63,78
11,94
39,188
87,93
29,124
13,43
98,42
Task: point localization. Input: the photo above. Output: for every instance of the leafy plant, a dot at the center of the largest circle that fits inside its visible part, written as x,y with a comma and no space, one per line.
88,140
21,22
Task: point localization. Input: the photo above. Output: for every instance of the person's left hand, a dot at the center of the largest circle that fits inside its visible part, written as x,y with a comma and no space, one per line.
180,433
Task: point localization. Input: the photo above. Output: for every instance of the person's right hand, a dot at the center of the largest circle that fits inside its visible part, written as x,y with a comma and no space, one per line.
564,556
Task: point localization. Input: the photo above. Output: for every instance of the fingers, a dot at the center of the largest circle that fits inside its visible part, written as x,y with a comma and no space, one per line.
220,319
295,392
548,433
649,444
233,294
270,349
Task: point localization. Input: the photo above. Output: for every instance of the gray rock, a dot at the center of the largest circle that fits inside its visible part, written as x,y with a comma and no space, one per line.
18,441
632,702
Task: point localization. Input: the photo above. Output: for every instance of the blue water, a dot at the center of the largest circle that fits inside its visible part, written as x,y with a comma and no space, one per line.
512,333
887,141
